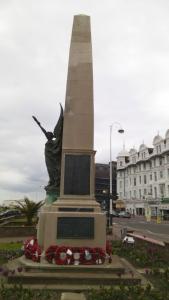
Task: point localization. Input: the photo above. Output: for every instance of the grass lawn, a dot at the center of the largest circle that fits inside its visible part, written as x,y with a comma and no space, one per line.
9,250
11,246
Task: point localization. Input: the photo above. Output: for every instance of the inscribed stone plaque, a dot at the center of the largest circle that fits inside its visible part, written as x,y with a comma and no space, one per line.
77,175
75,228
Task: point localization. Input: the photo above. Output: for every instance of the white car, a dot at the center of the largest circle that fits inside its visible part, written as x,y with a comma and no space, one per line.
128,240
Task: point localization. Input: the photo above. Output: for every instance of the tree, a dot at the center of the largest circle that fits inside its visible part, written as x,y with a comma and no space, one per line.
29,209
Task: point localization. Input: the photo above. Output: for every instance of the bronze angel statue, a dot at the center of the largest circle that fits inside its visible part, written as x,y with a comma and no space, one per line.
53,149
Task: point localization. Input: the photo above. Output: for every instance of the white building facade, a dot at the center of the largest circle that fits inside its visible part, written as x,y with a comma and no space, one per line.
143,177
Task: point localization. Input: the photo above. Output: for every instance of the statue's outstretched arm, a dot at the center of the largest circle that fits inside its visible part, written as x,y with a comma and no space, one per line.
39,124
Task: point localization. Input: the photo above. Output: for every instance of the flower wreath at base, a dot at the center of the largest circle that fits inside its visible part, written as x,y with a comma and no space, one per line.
32,250
65,255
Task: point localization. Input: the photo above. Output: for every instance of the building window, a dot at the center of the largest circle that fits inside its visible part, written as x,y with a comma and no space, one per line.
133,160
161,174
140,193
145,179
160,161
134,180
155,192
155,176
150,176
150,164
134,193
145,192
121,163
120,184
144,166
140,179
151,190
162,189
139,167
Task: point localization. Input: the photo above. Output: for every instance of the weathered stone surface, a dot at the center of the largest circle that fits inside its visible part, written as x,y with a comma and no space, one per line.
78,116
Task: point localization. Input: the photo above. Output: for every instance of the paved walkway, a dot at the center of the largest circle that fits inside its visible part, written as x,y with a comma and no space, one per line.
72,296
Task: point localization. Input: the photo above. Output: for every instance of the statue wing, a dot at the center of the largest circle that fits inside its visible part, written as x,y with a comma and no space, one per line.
59,126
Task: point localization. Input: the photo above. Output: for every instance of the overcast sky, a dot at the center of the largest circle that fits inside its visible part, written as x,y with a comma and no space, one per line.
131,79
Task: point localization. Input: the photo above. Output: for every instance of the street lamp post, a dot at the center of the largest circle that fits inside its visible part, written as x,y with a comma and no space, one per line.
120,130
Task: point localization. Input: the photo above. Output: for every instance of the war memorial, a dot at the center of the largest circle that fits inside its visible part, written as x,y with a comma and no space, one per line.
70,251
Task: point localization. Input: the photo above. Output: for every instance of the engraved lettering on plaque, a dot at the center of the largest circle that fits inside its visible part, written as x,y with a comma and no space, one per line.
77,175
75,228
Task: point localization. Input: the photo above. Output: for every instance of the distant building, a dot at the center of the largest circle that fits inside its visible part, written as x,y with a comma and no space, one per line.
11,203
102,183
143,177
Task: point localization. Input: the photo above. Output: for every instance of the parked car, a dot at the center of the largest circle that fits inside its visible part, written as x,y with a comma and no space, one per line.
128,240
124,214
115,213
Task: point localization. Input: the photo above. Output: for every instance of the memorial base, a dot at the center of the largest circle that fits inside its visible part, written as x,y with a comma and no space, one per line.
76,222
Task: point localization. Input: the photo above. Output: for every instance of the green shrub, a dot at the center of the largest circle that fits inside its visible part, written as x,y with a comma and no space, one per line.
17,292
128,293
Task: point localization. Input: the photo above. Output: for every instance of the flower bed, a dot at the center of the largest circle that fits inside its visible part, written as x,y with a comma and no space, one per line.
143,254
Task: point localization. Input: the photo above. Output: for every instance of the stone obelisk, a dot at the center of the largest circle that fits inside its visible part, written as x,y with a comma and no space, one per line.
75,219
78,116
78,129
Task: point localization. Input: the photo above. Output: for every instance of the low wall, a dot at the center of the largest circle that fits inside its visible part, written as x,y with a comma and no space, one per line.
145,239
17,231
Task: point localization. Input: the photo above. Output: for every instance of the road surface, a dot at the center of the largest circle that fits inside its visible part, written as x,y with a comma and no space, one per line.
140,225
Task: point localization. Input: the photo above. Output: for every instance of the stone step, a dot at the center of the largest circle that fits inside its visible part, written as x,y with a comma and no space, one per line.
88,279
64,278
114,267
